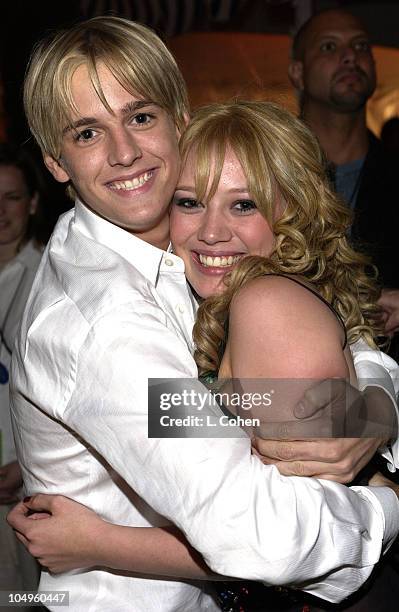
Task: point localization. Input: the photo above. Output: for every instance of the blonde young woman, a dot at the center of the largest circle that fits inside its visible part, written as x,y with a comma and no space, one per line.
264,241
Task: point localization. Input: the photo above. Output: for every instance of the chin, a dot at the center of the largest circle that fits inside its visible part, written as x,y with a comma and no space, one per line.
210,292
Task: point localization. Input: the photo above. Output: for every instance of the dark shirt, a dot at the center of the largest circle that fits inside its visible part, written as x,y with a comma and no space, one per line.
375,229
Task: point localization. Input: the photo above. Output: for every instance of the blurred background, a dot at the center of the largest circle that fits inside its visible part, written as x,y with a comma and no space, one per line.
225,48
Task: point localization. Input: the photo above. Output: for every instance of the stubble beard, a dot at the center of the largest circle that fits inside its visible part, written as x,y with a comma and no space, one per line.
352,100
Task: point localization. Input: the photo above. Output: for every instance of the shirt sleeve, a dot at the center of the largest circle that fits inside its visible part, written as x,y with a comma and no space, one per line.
245,518
378,369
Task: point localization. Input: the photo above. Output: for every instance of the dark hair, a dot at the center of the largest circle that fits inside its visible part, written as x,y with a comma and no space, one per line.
19,157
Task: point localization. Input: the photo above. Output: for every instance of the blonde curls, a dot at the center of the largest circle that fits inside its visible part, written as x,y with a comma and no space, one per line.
280,157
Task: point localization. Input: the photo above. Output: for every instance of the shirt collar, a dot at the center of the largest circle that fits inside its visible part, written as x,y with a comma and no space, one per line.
145,257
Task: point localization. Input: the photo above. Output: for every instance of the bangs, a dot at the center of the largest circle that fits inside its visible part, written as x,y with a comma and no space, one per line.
134,55
208,138
209,159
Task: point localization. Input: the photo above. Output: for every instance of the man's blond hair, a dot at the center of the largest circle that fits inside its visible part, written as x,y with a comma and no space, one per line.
133,53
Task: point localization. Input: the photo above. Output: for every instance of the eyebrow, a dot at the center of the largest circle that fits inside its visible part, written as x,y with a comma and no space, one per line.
338,33
127,109
238,190
185,188
17,191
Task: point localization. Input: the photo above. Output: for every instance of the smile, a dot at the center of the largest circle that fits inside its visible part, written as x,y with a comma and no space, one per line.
218,261
131,184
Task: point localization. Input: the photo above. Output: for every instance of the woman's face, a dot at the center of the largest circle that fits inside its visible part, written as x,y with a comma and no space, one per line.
212,237
15,206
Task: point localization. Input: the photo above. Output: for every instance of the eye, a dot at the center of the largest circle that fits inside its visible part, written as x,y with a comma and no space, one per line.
244,206
362,46
13,197
187,204
143,119
328,46
85,135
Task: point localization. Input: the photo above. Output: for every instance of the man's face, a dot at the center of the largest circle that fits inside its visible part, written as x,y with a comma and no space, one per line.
338,66
124,165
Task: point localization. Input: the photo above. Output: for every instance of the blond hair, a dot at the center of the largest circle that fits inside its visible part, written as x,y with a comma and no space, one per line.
133,53
279,155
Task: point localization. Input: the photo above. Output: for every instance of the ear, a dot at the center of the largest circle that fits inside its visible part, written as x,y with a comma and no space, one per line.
33,203
56,169
186,121
295,73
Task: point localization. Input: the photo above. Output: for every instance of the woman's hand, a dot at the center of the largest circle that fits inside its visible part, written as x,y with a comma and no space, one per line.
61,533
64,535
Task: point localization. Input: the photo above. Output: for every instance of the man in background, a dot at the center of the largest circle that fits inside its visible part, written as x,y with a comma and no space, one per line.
333,71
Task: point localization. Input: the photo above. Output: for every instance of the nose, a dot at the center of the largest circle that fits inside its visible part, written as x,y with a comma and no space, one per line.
214,227
348,55
123,148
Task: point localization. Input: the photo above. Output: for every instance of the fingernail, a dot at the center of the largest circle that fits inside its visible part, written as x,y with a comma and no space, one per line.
27,499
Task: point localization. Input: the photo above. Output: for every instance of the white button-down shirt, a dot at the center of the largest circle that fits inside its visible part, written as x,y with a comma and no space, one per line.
107,312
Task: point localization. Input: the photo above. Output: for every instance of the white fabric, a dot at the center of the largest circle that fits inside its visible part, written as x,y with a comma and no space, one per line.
371,369
107,311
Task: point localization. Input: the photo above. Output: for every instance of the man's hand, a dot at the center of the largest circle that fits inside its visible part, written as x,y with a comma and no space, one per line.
389,302
338,459
10,482
339,432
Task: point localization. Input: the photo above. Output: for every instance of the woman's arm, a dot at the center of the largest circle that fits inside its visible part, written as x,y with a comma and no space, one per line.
289,332
63,535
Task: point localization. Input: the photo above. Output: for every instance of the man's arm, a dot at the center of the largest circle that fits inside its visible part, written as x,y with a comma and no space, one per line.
376,370
229,506
369,422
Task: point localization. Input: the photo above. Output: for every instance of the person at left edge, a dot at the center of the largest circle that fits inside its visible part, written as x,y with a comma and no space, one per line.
20,253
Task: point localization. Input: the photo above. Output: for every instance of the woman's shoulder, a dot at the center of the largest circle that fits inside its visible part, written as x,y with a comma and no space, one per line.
284,330
282,295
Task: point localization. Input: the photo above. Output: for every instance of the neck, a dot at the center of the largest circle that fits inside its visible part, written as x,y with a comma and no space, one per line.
8,252
342,136
158,236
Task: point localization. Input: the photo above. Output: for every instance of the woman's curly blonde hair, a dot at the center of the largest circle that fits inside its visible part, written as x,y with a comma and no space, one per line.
280,157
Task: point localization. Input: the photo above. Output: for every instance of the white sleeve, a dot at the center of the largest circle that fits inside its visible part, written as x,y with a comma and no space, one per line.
378,369
243,517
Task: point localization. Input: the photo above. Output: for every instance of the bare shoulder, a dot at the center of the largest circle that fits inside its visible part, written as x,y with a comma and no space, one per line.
280,296
287,327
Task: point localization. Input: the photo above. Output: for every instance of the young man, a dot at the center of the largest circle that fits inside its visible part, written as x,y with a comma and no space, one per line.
110,309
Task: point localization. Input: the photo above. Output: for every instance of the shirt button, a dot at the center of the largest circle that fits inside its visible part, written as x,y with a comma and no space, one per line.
180,308
168,262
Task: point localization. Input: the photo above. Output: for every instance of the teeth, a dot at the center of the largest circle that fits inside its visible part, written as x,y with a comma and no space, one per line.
218,262
133,183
